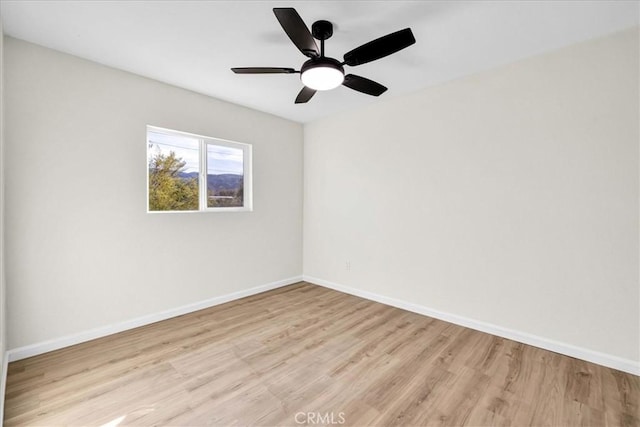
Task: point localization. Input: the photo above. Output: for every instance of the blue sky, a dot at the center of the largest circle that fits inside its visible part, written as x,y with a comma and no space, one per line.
220,159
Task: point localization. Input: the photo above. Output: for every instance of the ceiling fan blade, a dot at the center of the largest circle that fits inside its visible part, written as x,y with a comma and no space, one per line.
363,85
297,31
380,47
263,70
305,95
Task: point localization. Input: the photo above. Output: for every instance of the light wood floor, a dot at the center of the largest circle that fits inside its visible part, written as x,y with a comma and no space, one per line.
302,352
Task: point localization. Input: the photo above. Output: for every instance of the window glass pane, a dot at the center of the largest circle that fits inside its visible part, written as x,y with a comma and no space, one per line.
173,172
225,176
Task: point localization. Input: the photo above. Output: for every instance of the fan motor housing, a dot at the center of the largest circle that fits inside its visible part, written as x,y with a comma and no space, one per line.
322,62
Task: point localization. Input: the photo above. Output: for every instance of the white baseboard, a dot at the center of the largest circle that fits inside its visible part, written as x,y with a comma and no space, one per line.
3,382
604,359
57,343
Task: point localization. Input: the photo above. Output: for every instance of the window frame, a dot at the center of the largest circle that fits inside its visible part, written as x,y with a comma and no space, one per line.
203,143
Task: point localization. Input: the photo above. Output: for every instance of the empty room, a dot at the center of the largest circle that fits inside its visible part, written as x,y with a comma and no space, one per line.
358,213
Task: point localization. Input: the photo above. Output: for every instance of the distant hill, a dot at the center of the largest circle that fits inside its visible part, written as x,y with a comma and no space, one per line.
216,183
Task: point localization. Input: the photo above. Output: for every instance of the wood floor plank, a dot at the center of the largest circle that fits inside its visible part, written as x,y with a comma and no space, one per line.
304,354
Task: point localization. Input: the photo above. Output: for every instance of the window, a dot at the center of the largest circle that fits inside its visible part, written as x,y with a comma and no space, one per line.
177,181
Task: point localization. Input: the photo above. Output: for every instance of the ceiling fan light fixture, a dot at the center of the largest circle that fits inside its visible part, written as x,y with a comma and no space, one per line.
322,74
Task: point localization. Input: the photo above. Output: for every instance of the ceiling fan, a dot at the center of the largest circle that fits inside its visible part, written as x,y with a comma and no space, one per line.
322,72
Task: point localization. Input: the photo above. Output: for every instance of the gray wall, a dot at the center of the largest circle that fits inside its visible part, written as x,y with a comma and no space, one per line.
82,252
3,313
509,197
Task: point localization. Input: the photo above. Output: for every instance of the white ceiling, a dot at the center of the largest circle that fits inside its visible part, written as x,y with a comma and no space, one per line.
192,44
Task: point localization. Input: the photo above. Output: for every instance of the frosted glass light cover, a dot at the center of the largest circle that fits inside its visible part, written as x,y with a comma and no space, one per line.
322,78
